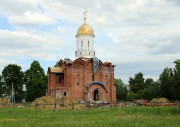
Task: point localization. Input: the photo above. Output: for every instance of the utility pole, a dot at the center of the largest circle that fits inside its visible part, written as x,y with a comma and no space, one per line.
13,97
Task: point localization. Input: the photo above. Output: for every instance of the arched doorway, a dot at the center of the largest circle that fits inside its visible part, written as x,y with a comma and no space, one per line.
96,95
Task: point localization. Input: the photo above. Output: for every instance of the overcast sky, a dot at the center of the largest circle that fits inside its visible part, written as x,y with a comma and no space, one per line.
135,35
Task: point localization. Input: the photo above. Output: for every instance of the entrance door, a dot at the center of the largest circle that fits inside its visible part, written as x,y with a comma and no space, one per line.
96,95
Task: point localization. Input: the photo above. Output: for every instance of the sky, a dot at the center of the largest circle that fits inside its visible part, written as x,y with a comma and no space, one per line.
135,35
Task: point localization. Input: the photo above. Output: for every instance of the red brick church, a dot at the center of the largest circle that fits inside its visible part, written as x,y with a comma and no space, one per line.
86,78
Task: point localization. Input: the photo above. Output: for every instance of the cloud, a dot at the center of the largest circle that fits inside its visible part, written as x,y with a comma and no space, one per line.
31,20
5,62
24,44
17,7
151,66
136,35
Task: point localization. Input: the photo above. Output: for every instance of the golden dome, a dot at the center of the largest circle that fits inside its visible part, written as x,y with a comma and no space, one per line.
85,29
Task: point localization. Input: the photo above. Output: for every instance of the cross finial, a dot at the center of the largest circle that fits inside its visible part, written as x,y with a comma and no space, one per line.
84,13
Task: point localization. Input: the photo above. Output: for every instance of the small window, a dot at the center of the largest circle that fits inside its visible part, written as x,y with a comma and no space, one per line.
62,81
88,43
57,80
92,77
64,93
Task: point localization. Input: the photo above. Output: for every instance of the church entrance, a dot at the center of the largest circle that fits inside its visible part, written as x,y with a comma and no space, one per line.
96,95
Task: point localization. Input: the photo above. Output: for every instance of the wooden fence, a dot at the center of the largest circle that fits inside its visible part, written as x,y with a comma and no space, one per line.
72,105
81,105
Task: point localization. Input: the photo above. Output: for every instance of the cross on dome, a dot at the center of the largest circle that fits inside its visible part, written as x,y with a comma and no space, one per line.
84,13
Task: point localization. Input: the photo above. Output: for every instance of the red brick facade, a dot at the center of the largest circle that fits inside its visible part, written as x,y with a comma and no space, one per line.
77,80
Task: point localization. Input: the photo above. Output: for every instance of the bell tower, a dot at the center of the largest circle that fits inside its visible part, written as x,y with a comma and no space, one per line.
85,40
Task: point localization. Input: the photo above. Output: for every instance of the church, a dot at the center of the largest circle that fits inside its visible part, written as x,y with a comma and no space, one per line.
86,78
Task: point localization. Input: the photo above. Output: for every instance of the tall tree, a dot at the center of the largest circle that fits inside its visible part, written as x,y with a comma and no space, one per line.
137,83
166,82
148,82
1,86
13,75
121,90
36,81
176,93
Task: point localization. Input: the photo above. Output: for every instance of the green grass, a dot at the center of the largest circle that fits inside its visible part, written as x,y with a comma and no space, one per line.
95,117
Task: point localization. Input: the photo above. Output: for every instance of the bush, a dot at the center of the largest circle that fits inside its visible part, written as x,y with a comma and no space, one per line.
4,100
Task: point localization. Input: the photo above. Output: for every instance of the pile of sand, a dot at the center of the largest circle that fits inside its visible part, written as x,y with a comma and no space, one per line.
159,100
44,100
47,102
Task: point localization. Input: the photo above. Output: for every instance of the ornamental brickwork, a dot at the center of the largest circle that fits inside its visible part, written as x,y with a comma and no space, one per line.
76,79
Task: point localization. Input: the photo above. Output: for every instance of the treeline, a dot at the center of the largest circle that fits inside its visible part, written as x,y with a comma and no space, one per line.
27,85
35,82
168,86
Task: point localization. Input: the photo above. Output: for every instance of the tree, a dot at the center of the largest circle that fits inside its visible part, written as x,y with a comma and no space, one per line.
36,81
166,84
131,96
1,86
148,82
137,83
141,88
176,93
121,90
151,90
12,74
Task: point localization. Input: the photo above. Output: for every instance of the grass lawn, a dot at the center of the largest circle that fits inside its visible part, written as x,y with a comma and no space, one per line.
94,117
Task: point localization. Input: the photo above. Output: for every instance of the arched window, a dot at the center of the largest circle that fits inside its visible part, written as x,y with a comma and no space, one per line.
78,79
